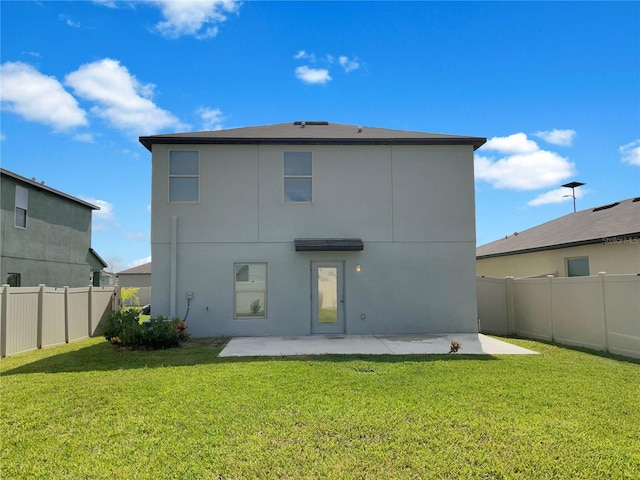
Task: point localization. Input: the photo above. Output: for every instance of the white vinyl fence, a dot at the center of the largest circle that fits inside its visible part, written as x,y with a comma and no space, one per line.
37,317
600,312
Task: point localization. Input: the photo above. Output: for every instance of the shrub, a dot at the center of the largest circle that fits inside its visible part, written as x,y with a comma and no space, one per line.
123,329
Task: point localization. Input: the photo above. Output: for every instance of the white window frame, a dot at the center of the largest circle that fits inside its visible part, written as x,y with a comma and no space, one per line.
22,203
263,291
285,177
569,259
170,176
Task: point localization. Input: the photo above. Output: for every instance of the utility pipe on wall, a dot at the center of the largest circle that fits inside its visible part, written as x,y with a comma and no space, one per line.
174,262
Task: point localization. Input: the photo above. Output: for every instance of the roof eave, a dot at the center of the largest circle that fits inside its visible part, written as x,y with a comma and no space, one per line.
149,141
557,246
46,188
98,257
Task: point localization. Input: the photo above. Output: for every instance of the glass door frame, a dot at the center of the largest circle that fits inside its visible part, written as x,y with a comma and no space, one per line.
328,328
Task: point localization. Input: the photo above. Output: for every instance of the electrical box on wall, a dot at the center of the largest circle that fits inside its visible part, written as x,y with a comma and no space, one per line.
189,295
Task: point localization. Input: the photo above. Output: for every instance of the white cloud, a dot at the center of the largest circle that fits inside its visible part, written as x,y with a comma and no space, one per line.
349,65
38,98
67,19
557,137
135,235
523,165
106,213
559,195
516,143
199,18
107,3
631,153
84,137
122,101
313,75
103,219
140,261
303,55
211,117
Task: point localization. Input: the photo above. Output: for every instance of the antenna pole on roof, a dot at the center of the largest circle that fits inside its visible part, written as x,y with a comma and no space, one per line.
573,186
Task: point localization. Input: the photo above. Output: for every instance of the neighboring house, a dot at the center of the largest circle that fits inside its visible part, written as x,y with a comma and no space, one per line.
602,239
46,236
139,276
106,279
311,227
139,279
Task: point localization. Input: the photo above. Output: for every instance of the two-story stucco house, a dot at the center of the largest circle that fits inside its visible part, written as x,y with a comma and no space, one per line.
314,227
45,236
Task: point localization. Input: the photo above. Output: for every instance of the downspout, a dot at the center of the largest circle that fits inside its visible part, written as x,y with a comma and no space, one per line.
174,261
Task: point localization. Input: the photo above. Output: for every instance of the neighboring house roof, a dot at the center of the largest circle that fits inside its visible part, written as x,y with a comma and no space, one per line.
139,270
616,221
98,258
42,186
312,132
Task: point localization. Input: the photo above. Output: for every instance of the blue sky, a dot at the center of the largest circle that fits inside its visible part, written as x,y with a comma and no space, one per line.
554,87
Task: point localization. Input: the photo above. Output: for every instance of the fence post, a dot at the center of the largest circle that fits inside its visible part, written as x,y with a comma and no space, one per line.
550,287
604,311
90,313
66,314
511,320
40,315
3,320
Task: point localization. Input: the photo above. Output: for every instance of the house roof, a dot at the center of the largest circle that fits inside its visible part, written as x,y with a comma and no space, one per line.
42,186
98,258
312,132
617,221
139,270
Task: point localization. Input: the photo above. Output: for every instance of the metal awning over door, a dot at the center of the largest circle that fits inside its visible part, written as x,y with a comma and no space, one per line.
328,244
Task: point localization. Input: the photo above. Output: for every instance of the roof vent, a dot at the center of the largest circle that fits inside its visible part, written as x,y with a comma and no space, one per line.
605,207
637,199
303,123
359,129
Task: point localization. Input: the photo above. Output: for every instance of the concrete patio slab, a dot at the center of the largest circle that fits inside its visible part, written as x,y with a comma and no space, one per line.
472,343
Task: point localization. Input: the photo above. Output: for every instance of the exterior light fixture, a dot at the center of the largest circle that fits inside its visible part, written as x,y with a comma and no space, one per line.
358,268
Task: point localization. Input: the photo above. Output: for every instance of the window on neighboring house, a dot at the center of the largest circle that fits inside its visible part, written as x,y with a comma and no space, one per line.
250,290
578,267
184,176
13,279
298,179
22,206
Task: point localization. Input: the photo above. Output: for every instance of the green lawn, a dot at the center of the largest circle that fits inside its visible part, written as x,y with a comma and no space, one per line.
87,411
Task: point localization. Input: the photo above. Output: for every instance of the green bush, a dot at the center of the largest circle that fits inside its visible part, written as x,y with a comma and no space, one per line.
124,329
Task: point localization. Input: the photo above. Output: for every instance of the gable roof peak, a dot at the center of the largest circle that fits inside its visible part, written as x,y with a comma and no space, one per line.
302,132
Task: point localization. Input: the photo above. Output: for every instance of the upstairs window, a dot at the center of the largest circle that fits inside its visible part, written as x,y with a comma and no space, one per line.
298,179
578,267
184,176
22,206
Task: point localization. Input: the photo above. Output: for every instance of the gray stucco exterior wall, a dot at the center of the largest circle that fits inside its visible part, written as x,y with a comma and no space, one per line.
412,206
53,249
